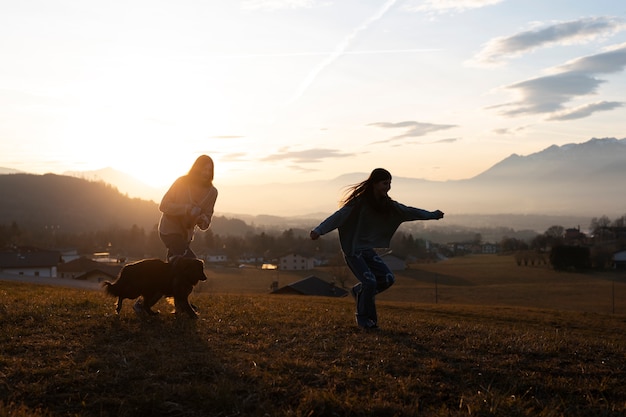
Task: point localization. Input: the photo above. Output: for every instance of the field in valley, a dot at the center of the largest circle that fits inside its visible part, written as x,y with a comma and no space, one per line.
477,280
501,340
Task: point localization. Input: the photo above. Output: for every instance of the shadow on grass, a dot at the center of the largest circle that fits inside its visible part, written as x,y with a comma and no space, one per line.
155,366
432,277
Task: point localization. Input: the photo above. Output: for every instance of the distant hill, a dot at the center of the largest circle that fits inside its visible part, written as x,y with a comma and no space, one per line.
70,204
9,171
584,179
75,205
125,183
577,181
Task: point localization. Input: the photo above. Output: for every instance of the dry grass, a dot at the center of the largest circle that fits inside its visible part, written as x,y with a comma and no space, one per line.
63,352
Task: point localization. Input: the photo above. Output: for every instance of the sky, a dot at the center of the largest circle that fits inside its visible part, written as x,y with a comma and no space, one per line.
297,90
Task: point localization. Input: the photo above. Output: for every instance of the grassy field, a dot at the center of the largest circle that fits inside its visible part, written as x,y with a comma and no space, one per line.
501,341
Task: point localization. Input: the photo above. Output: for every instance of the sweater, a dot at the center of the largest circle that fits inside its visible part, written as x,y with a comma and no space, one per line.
176,205
367,228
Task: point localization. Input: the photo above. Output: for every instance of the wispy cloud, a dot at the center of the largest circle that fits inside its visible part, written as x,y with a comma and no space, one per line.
306,156
412,129
235,157
447,6
340,49
585,110
577,78
509,130
327,53
448,140
498,50
277,4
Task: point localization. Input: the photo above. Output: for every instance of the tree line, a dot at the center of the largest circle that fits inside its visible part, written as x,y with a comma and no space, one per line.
235,239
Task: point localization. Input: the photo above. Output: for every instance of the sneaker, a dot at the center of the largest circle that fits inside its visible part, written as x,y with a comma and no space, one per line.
367,324
138,307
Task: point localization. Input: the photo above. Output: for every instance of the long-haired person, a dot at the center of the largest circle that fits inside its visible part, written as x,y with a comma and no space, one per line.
367,220
187,204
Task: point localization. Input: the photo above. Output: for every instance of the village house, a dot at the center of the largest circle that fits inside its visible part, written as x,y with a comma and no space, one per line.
296,262
214,257
29,261
89,270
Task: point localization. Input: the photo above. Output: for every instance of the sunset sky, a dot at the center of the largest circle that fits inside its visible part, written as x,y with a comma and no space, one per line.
291,90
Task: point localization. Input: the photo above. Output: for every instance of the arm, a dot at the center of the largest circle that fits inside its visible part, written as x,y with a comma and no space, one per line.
172,204
412,213
208,208
332,222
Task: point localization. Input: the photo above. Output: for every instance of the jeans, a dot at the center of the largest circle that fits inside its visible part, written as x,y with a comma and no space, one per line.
374,277
177,245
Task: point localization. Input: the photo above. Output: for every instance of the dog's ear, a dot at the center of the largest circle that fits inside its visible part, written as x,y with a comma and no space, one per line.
197,270
191,270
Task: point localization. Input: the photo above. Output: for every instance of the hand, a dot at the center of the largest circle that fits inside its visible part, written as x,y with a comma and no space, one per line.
438,214
195,211
203,222
314,235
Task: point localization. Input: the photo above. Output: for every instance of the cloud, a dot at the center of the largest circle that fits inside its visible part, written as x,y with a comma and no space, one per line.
448,140
277,4
306,156
235,157
585,30
577,78
413,129
448,6
509,130
585,110
226,137
612,60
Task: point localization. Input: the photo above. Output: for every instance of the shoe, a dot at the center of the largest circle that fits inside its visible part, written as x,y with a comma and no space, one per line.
368,325
138,307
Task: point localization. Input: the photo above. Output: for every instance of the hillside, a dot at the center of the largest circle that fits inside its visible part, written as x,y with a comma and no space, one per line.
70,204
74,205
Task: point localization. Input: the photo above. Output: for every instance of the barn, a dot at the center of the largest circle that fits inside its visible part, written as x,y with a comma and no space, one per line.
312,285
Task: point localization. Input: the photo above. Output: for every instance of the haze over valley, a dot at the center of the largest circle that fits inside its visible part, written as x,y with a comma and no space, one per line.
583,179
567,185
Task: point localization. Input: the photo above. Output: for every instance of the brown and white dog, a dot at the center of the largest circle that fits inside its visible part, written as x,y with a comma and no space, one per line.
154,278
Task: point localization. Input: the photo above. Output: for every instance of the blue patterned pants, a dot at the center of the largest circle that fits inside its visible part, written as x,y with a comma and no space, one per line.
374,277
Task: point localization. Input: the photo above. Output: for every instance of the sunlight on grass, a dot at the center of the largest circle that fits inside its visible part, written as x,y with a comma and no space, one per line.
64,352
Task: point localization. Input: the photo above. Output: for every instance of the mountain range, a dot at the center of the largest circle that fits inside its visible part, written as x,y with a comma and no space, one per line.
584,179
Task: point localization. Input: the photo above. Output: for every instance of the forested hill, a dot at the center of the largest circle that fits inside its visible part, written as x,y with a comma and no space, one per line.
70,205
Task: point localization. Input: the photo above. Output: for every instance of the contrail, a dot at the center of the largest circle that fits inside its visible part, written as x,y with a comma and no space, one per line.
297,54
339,50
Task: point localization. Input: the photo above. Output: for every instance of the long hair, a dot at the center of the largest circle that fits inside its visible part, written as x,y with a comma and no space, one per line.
195,173
363,191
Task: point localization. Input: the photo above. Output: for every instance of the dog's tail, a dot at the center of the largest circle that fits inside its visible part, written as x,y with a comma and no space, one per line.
110,288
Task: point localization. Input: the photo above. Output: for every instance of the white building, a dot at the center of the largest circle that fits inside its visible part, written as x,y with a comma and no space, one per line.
295,262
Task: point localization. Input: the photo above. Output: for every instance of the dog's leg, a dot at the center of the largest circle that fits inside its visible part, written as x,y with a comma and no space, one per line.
182,305
118,306
149,300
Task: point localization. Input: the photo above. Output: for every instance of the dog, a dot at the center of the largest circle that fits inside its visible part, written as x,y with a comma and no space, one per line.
153,279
